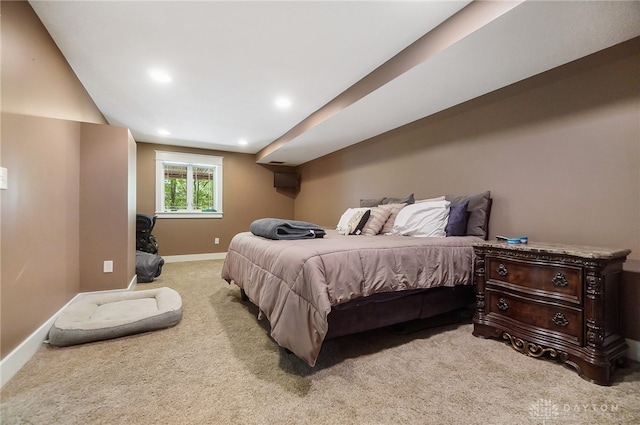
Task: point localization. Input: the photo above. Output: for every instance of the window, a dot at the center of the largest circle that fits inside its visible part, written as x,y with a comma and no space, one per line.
188,185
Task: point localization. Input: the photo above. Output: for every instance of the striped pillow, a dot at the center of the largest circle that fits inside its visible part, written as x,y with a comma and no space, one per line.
379,216
388,225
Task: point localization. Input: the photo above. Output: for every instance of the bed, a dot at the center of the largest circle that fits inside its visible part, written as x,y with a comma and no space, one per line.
349,281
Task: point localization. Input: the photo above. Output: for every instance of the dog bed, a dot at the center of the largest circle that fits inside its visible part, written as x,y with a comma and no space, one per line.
110,315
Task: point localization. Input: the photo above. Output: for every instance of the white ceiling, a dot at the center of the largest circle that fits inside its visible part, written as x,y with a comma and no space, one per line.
230,60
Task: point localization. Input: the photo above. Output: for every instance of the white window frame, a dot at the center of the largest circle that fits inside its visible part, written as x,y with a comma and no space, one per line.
163,157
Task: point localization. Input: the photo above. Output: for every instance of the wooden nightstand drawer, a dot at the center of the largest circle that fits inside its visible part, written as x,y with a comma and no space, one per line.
551,318
561,282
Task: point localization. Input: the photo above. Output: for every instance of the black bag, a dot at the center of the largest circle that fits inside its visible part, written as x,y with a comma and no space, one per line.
148,266
145,241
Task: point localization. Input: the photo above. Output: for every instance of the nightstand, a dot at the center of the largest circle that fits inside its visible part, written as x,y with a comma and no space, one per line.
553,300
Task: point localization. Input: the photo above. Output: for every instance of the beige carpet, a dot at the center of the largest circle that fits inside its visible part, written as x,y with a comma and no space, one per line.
219,366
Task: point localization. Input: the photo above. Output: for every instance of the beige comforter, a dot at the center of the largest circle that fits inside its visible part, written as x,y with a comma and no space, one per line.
295,282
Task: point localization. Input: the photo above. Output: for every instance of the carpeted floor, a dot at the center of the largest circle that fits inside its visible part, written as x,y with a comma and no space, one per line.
219,366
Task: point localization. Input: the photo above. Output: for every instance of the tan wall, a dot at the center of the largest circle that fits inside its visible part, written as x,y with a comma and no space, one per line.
107,222
560,153
42,145
40,216
248,194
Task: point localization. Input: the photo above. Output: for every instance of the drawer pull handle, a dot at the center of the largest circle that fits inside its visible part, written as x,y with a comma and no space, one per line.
502,304
560,320
502,270
560,280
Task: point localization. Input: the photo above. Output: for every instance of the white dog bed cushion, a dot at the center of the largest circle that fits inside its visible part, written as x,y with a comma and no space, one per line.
110,315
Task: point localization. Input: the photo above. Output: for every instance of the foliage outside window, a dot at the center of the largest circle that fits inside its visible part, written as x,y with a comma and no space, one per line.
188,185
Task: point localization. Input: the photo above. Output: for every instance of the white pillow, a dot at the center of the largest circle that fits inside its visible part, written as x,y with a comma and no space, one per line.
349,217
423,219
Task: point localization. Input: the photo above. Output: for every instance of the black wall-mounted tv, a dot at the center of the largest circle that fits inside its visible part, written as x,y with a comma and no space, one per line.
286,180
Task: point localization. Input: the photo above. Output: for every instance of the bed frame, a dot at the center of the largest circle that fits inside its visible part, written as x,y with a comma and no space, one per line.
382,310
363,314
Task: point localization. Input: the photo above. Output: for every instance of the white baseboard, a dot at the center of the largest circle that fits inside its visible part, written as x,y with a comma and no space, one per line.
633,353
15,360
133,283
194,257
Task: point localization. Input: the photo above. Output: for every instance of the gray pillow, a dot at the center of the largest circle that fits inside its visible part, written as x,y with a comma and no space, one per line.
371,202
478,209
409,199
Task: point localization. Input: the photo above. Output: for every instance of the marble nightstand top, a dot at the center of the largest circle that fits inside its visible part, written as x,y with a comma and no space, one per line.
556,248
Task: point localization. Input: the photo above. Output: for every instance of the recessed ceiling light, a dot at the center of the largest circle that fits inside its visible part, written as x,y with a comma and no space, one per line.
159,76
283,102
163,132
243,142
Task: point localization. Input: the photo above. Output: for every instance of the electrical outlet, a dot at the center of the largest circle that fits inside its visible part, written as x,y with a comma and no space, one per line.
107,267
216,241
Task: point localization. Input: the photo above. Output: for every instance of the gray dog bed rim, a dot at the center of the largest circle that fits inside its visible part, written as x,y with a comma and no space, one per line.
98,317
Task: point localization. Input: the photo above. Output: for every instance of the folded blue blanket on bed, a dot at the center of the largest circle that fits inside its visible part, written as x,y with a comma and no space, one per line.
276,228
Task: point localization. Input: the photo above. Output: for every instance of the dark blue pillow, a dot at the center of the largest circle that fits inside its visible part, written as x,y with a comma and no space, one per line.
457,225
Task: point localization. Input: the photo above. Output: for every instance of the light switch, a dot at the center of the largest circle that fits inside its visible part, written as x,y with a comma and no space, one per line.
3,178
